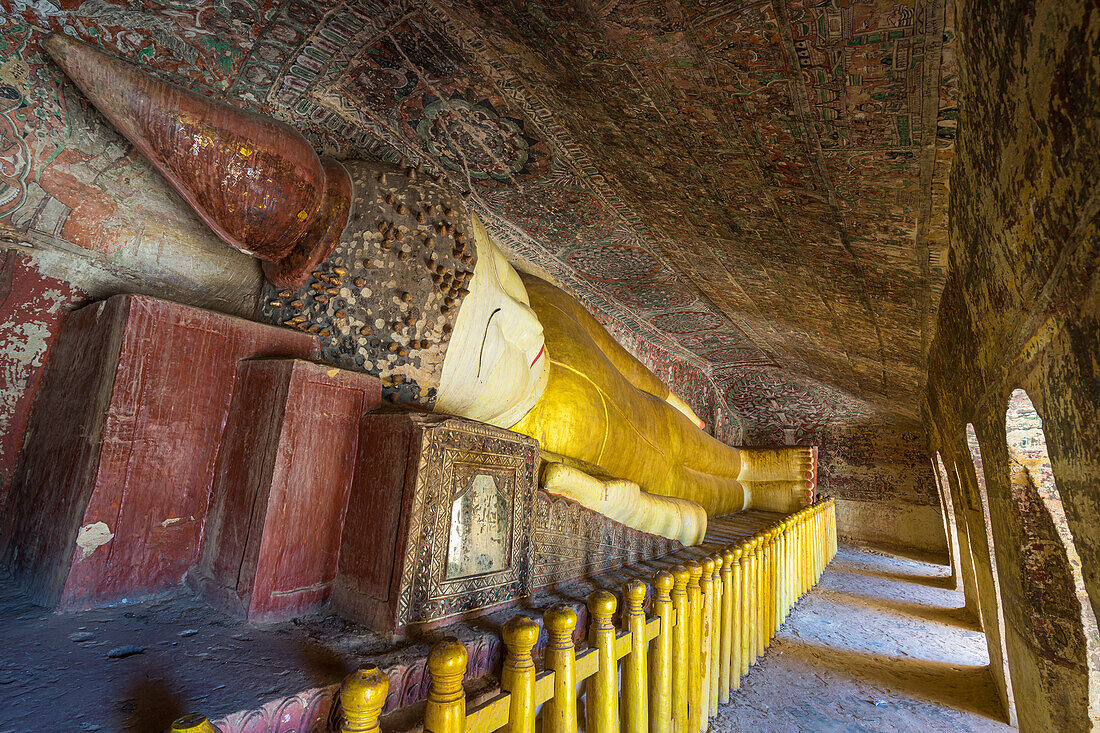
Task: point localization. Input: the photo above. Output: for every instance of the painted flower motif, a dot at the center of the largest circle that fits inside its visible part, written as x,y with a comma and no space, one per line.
654,295
474,139
688,322
614,262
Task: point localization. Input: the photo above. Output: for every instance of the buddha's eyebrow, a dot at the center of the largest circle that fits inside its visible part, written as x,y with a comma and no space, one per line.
483,337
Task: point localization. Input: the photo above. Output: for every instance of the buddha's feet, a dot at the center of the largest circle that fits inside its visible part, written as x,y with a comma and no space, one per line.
778,479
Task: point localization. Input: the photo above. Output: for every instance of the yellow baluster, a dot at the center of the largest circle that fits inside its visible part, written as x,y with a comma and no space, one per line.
785,568
194,724
559,714
830,524
660,660
446,707
748,632
635,666
809,560
792,559
765,586
695,645
738,621
777,592
361,698
725,652
760,613
518,675
602,688
706,588
681,638
803,552
716,634
771,586
812,532
817,542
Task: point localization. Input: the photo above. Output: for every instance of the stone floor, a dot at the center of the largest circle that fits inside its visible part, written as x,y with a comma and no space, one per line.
881,644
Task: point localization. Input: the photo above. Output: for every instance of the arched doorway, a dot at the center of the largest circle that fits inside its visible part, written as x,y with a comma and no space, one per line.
948,520
1040,505
979,474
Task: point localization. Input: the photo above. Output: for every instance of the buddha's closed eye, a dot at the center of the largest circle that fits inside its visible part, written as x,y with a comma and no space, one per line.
484,336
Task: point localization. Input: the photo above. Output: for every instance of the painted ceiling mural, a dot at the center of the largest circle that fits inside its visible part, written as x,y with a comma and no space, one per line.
742,192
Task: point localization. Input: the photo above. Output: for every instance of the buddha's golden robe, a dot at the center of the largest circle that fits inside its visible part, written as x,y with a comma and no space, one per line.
603,407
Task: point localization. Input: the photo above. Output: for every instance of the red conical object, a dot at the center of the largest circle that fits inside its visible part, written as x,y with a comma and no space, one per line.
254,180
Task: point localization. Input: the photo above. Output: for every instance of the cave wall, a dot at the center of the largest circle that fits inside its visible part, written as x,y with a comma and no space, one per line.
1021,310
881,477
884,488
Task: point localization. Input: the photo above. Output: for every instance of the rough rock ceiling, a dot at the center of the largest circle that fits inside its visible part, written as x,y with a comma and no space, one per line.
749,185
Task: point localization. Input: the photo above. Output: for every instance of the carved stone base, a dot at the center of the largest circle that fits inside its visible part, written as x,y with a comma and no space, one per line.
439,521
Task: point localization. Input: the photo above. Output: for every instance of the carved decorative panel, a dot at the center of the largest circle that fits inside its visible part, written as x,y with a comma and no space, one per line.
571,541
439,522
469,535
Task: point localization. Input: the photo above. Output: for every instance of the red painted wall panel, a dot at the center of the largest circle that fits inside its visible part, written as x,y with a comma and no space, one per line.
127,433
281,488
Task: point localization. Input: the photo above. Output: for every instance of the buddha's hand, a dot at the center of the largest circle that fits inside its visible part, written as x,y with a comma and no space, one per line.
625,502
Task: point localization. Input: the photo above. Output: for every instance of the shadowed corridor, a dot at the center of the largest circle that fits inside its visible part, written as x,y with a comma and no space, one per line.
880,644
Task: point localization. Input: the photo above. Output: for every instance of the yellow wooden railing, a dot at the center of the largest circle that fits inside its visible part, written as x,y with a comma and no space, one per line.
673,674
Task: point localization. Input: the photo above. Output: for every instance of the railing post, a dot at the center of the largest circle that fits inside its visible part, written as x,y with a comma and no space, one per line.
737,618
716,625
446,707
602,688
765,582
813,547
361,698
804,551
194,724
725,652
771,587
809,550
706,621
748,630
792,559
760,613
681,638
695,645
781,576
559,714
518,675
660,660
635,666
833,541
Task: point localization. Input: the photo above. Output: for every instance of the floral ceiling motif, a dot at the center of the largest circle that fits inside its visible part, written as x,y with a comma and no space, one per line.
743,186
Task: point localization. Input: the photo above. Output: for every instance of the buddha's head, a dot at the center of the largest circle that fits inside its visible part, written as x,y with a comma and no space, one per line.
496,367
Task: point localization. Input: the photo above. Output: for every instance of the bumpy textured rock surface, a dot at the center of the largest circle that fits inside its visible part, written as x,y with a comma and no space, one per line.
385,301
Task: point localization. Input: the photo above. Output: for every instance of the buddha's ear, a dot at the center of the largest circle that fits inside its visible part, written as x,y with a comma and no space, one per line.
255,181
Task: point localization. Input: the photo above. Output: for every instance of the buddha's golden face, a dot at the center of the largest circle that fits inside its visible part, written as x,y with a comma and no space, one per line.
496,368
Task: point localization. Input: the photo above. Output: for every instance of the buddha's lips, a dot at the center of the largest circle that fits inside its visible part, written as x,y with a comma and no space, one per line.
538,356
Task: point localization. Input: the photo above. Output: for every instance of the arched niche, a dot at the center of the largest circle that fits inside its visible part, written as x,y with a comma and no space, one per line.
1063,623
979,474
954,495
948,517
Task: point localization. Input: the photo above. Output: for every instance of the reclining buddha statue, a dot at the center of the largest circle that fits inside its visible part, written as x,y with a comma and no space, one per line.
395,277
